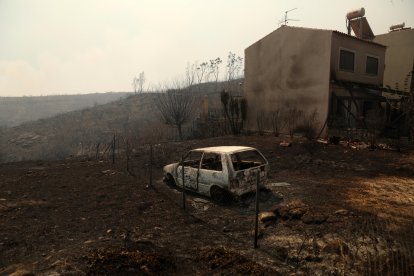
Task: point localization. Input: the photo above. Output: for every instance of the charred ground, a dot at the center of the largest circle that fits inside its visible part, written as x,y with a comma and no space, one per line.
344,209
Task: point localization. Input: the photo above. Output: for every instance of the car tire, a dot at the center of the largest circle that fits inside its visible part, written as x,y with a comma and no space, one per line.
169,180
219,195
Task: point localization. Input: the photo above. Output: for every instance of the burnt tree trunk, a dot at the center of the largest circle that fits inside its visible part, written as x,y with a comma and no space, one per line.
180,131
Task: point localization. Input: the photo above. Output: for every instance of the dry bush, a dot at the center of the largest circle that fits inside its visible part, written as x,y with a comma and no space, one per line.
261,122
309,125
366,245
378,250
376,123
213,127
292,118
277,121
154,133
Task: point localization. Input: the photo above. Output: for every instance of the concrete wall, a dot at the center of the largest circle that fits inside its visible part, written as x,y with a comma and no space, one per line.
289,67
361,50
399,57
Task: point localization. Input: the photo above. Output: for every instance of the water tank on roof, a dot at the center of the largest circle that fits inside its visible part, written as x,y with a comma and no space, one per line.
355,14
397,26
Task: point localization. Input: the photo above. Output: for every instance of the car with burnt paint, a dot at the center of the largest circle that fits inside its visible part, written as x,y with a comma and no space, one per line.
219,172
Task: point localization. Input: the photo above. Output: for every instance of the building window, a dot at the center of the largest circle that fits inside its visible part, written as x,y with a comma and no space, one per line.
346,60
371,66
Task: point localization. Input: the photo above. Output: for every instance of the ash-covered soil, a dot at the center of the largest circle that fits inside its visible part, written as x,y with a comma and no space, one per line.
329,209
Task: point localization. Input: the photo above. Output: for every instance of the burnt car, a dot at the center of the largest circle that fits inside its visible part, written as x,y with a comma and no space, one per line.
219,172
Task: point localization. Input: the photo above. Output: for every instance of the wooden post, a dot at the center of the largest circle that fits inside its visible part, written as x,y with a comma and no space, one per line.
150,172
256,225
182,163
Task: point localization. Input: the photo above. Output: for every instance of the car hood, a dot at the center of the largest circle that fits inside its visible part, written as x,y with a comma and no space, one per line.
170,168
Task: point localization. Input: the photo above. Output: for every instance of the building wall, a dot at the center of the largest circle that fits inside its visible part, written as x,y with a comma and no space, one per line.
288,68
399,58
361,49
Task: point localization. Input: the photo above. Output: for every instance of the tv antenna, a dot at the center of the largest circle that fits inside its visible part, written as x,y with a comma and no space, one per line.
286,20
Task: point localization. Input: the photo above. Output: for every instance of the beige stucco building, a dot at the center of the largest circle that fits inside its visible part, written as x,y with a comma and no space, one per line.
399,58
312,69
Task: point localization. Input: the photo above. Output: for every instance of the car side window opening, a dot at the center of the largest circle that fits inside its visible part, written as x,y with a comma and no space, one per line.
246,159
193,159
211,161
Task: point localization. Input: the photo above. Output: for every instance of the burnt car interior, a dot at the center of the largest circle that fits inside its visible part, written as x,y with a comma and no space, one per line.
211,161
246,159
192,159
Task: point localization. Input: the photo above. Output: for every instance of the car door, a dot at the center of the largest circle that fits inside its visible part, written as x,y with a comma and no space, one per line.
191,167
213,171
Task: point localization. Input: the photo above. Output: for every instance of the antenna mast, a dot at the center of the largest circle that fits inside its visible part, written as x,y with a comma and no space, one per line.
286,20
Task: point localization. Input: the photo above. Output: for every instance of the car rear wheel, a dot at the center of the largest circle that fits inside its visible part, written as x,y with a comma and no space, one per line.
219,195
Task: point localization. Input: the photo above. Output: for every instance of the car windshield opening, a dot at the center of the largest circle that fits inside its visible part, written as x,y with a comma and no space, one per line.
193,159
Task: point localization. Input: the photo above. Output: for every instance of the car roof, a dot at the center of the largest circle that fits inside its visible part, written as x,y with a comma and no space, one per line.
225,149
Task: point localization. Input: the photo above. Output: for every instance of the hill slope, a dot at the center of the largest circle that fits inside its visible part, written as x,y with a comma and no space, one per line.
77,132
65,134
17,110
134,117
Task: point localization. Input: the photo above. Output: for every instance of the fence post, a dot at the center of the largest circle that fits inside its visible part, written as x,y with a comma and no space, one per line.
97,151
119,139
256,225
127,155
182,170
151,161
113,150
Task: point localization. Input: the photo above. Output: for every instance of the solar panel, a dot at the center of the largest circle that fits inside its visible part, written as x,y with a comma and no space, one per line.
361,28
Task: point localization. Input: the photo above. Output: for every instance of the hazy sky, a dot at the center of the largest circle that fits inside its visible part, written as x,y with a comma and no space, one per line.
84,46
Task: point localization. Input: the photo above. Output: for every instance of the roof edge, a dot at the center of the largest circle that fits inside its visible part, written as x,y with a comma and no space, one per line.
359,39
287,27
315,29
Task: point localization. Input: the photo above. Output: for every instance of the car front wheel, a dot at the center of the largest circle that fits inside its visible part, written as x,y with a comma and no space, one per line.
219,195
169,180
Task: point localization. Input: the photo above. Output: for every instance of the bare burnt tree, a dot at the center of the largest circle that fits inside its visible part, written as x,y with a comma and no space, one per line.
215,70
201,73
138,83
234,65
235,111
176,107
234,107
190,75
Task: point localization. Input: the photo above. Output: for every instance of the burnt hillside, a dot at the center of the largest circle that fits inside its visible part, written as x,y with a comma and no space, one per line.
134,117
17,110
64,134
